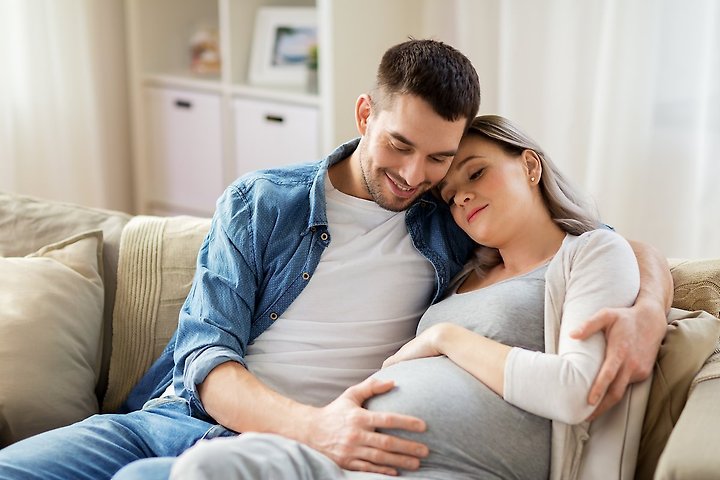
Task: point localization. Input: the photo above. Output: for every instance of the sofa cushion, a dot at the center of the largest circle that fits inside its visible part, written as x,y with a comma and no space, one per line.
697,284
157,264
28,223
690,340
51,306
692,449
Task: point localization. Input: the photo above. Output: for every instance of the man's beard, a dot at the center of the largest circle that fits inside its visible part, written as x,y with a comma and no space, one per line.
375,189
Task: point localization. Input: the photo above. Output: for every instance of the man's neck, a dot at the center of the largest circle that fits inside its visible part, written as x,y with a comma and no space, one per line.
346,176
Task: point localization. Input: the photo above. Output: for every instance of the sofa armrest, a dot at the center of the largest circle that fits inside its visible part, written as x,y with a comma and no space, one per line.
687,349
692,449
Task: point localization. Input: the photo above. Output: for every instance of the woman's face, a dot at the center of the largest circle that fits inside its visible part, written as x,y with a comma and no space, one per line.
489,191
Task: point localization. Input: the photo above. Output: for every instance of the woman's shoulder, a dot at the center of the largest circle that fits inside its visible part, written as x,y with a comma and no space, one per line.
597,249
601,248
596,254
592,240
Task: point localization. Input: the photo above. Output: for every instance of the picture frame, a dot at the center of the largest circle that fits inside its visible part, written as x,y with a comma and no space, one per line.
282,44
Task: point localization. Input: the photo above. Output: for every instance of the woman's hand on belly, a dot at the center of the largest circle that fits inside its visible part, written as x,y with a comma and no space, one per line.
424,345
480,356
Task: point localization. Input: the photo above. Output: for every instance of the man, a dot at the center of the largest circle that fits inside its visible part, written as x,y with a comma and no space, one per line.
312,275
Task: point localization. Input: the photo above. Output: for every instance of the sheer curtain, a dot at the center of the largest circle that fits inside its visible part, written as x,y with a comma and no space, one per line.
624,95
64,130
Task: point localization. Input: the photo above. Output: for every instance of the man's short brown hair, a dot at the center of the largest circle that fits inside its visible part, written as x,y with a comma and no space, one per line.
433,71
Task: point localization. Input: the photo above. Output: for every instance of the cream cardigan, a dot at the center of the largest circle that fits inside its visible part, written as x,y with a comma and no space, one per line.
606,449
577,279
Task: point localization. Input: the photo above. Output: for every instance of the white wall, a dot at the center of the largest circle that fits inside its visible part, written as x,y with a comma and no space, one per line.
623,96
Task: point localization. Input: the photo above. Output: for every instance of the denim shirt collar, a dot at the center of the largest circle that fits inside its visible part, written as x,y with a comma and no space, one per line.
318,206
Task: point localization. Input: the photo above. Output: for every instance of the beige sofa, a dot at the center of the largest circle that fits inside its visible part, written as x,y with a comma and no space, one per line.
100,308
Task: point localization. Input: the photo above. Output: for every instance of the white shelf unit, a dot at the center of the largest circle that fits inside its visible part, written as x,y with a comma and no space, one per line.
184,158
186,170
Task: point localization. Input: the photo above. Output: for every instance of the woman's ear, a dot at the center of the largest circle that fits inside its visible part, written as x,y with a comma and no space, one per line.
533,166
363,109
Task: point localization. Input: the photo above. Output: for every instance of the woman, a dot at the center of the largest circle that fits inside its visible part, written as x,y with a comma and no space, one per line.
494,370
542,270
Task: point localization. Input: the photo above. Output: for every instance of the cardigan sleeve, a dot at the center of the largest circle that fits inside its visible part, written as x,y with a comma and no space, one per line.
600,270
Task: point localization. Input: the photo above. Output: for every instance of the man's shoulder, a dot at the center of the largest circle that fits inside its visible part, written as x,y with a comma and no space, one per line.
266,197
299,175
276,186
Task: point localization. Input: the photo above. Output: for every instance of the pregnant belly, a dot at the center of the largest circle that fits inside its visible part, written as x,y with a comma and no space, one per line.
470,428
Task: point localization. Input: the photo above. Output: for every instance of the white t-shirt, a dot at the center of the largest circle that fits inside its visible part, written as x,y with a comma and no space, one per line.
362,303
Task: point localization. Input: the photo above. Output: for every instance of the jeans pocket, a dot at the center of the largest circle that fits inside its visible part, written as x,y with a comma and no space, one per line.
218,431
170,400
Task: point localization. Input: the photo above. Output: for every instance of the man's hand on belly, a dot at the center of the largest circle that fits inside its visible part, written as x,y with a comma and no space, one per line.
346,432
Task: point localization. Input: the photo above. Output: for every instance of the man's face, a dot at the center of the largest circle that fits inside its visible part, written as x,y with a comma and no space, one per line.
406,149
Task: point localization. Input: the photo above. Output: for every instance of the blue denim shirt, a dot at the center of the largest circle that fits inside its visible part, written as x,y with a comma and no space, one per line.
266,239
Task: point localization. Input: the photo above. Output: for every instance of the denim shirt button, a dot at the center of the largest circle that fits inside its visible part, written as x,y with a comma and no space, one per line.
273,316
324,236
313,229
306,276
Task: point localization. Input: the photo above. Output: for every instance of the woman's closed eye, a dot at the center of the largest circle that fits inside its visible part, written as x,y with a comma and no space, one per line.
476,174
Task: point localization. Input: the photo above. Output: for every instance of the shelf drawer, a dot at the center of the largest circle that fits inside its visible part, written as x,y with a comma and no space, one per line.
271,134
185,149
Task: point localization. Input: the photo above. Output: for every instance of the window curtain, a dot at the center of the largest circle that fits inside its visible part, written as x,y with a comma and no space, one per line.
623,95
64,130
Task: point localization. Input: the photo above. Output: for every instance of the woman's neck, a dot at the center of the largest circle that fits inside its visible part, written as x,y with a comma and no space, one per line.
532,247
525,251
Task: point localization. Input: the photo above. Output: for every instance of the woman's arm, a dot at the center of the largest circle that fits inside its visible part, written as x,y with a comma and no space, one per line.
604,273
480,356
633,334
599,271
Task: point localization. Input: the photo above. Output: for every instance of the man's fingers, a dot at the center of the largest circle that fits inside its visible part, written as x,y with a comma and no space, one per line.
607,375
364,466
605,405
368,388
396,445
382,453
614,394
358,446
380,457
397,421
597,323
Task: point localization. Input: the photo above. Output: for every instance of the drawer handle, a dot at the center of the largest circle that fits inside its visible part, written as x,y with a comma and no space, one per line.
183,104
274,118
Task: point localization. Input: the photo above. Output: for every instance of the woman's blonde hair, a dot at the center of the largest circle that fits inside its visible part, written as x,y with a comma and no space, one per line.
570,210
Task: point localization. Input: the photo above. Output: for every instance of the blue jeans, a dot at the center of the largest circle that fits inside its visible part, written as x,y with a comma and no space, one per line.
99,447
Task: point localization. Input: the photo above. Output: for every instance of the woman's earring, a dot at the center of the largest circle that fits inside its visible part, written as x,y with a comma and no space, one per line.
532,179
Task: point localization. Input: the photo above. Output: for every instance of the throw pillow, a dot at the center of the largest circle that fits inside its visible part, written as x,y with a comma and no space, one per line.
697,284
155,271
51,310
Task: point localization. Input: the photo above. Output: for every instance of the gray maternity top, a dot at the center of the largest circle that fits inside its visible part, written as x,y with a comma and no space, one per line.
471,431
